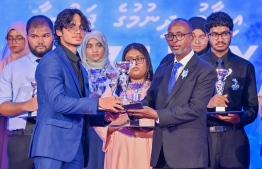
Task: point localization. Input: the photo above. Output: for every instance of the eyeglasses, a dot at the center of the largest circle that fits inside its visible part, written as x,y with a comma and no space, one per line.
201,38
138,60
17,40
215,36
179,37
72,28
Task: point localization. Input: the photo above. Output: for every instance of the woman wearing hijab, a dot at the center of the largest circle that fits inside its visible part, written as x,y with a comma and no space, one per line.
130,148
15,48
94,55
200,44
16,44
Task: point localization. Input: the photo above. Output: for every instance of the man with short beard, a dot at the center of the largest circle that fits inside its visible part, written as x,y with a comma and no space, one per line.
17,99
228,142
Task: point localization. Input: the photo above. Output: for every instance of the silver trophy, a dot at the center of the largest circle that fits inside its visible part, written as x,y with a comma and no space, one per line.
124,68
34,85
113,76
220,84
94,75
136,86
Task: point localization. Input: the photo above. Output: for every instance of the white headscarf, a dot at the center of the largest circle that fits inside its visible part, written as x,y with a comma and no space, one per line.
104,61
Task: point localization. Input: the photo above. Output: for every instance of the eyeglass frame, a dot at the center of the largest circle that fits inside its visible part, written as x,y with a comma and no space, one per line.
15,39
141,61
181,34
199,38
219,34
80,28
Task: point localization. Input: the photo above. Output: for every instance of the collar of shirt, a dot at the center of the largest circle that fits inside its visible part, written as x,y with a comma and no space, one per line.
184,62
33,58
74,58
214,58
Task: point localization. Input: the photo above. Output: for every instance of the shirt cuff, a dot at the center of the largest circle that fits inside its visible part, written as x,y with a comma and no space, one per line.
157,120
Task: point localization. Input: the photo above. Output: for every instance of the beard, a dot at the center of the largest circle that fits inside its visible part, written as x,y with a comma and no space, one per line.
40,54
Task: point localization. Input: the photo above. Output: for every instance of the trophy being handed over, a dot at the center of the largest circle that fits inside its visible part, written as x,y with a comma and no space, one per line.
220,84
136,86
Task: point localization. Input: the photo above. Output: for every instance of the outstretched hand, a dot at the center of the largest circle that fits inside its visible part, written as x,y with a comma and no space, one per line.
111,104
146,112
231,118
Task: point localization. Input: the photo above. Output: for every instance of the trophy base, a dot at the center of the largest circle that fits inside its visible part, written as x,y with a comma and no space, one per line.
220,109
137,105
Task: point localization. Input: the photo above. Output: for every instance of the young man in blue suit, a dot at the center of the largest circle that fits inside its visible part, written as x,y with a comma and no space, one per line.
60,136
177,99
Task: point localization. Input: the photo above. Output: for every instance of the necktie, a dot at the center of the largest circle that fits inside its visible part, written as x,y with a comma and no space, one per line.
172,80
219,63
37,60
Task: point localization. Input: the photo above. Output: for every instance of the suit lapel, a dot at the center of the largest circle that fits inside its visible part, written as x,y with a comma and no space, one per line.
68,64
164,84
190,67
85,77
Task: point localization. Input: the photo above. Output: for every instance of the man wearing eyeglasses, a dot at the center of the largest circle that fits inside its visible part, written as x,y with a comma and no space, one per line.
17,100
60,138
177,100
228,142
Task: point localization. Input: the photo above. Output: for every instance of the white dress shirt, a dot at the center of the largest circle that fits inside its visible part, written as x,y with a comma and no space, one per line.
15,81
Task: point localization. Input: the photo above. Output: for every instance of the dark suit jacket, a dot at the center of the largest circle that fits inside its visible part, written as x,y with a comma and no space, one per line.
59,125
182,114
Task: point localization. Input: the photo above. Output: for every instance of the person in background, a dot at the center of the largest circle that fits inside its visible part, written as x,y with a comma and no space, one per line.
200,44
228,142
16,91
15,48
94,55
129,148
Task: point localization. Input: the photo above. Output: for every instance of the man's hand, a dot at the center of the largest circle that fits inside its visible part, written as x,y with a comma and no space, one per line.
146,112
231,118
218,100
30,105
111,104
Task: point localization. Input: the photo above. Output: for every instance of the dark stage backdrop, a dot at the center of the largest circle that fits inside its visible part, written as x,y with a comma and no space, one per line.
127,21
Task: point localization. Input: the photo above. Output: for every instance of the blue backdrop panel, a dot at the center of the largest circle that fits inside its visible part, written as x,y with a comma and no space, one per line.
127,21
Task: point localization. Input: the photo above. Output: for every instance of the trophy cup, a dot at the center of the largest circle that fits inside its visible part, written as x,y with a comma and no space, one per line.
123,68
94,74
113,76
34,85
136,86
221,77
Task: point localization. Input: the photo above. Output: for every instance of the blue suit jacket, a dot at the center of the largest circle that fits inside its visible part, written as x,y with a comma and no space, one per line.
182,114
59,125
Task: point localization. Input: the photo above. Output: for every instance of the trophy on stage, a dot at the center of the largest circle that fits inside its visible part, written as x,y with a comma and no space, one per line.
220,84
94,75
136,86
113,76
124,68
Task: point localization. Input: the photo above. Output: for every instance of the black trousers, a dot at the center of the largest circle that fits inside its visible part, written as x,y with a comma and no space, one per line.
229,150
17,150
161,164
